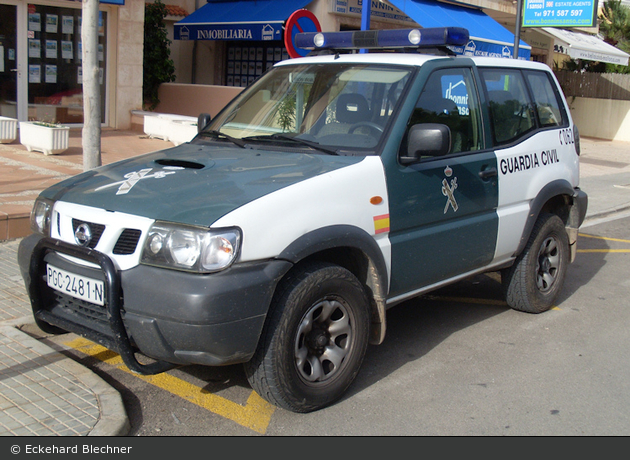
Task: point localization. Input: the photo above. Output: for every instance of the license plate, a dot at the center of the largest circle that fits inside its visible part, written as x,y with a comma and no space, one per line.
77,286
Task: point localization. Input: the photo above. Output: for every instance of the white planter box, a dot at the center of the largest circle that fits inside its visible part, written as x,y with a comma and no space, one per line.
167,126
47,139
8,130
155,126
182,131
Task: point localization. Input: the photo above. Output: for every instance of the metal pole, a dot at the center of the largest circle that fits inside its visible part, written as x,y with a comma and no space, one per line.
366,12
517,29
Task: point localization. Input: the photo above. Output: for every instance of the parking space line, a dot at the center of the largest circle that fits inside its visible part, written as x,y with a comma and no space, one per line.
604,238
255,414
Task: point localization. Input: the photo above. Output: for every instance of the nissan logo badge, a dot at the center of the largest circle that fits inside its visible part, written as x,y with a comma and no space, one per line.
83,235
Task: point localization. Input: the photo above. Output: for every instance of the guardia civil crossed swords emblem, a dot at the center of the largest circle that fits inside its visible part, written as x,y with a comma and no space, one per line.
134,177
448,190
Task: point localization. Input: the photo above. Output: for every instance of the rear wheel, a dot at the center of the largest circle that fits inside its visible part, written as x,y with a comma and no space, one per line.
314,339
536,278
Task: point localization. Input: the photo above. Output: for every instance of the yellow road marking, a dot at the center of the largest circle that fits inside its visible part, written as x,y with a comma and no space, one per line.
604,250
255,415
604,238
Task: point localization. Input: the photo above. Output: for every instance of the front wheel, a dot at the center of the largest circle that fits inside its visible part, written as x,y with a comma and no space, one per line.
536,278
314,340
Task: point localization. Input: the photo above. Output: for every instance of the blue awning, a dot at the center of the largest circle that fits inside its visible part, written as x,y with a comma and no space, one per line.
487,36
237,20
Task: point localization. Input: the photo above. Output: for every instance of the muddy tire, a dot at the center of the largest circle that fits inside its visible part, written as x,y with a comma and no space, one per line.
533,283
314,339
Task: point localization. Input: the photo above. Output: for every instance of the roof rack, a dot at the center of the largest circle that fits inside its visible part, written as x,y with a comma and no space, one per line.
417,39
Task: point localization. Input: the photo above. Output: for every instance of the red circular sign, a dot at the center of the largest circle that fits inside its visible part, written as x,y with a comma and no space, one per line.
299,21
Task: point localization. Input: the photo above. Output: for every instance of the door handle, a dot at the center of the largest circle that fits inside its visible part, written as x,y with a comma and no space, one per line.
488,173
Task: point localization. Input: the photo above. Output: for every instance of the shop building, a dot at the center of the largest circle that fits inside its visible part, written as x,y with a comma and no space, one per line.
238,40
40,69
235,40
224,43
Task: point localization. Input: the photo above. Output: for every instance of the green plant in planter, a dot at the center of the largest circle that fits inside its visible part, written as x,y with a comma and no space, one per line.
158,67
48,124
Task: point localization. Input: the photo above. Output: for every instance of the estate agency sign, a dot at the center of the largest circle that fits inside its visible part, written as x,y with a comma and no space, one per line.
560,13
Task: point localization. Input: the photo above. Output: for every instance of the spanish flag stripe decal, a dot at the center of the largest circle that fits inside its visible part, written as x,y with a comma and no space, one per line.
381,223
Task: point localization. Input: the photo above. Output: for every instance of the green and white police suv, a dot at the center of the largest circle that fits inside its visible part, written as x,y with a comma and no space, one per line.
334,187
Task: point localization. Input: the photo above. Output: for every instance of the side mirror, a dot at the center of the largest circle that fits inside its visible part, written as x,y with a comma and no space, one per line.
427,139
202,121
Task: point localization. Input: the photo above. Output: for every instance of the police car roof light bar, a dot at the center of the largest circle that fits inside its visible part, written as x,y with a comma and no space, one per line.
371,39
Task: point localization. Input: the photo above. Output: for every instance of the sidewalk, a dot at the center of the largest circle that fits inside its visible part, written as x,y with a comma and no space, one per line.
42,392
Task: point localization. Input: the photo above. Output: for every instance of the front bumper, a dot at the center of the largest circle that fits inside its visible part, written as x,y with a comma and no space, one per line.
171,316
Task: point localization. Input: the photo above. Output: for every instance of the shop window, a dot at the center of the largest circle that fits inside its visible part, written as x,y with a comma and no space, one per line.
55,79
248,60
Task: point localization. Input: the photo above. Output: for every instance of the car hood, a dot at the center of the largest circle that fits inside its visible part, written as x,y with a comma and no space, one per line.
192,183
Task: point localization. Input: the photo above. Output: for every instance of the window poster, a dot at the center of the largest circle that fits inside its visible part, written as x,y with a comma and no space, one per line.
79,75
101,24
66,49
34,22
34,73
67,24
51,49
34,49
51,74
52,21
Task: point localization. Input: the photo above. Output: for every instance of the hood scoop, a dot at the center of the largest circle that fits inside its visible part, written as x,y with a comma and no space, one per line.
175,163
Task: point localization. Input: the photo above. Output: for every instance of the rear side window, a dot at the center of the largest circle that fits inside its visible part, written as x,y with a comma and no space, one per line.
509,104
545,99
513,113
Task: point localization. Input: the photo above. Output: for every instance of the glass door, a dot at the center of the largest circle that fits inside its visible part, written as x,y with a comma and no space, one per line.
8,61
55,83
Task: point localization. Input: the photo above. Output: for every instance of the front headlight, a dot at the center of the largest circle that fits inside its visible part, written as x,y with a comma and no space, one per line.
190,248
41,216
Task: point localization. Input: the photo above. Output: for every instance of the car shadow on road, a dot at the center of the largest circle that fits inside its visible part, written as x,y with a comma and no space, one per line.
416,327
419,325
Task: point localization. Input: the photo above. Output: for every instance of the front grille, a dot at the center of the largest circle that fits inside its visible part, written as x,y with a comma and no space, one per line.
127,242
84,311
97,231
78,312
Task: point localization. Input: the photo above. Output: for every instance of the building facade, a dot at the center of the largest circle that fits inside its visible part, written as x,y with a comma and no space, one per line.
215,42
41,74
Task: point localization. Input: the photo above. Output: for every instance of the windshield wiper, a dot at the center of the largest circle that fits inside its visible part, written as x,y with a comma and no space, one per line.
220,135
287,137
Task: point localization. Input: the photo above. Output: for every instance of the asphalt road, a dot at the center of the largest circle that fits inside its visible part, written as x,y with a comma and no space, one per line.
458,362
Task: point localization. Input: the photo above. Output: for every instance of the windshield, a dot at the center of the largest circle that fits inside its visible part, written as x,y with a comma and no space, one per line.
324,106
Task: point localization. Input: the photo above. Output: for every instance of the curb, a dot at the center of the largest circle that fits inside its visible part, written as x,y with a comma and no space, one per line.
602,216
113,420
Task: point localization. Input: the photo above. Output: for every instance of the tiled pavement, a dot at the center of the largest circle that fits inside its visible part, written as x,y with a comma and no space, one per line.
42,392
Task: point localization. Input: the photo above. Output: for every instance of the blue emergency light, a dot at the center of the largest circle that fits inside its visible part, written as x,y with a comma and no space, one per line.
430,37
